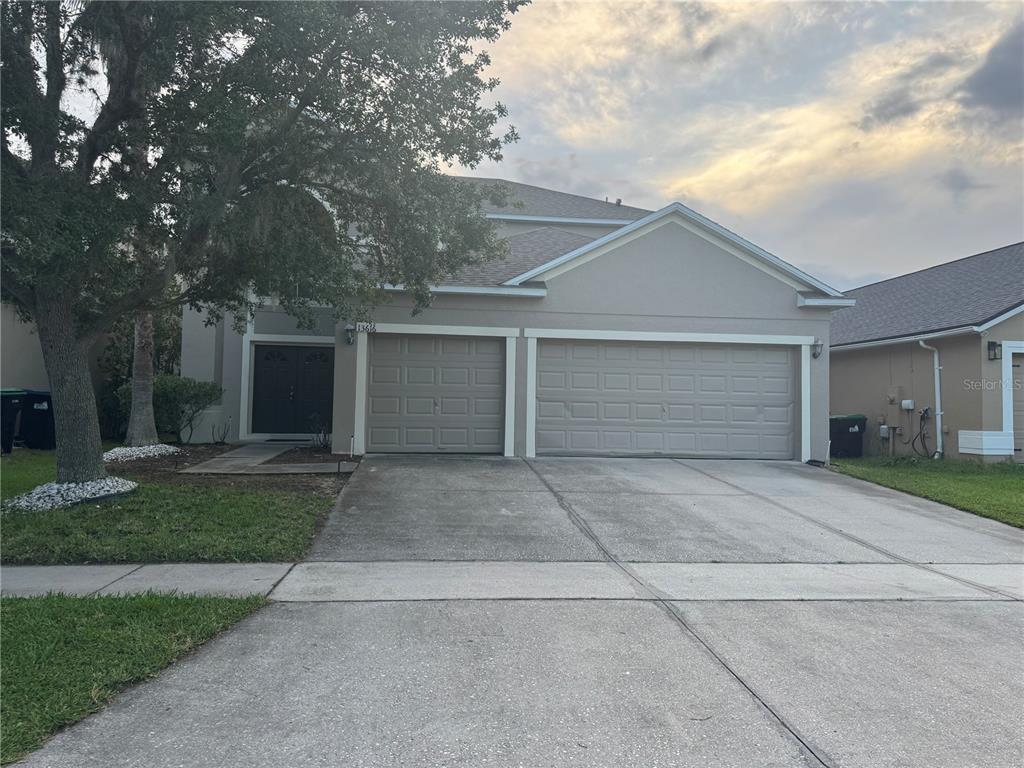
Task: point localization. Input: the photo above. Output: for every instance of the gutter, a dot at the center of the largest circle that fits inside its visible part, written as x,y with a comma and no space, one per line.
905,339
481,290
938,399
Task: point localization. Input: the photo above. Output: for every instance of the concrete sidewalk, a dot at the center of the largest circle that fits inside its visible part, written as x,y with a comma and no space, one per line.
517,580
232,579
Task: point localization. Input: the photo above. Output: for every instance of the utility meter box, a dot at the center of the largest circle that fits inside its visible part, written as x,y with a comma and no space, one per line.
907,405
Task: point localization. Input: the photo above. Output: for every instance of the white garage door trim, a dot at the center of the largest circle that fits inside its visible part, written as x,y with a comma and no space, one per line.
532,334
362,369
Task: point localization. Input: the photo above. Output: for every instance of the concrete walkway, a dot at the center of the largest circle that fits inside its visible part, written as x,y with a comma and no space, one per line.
505,580
252,460
233,579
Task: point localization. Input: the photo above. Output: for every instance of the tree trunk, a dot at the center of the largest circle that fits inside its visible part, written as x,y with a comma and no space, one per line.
142,422
79,449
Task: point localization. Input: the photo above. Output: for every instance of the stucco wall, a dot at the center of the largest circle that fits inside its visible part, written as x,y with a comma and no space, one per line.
669,280
21,365
991,370
863,380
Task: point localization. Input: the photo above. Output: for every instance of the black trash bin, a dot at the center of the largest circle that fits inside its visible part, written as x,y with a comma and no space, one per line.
37,428
11,401
847,436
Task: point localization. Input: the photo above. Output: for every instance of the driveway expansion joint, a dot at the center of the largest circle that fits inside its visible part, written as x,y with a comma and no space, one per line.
659,598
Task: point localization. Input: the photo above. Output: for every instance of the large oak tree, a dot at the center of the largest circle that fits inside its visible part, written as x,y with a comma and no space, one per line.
204,154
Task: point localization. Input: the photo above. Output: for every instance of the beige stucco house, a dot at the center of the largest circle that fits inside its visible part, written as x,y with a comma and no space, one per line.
608,330
21,366
949,339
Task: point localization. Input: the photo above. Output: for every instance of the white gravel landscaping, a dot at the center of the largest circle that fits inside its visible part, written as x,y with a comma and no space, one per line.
53,495
127,453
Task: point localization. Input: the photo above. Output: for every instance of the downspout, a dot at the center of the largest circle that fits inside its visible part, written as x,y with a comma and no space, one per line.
938,400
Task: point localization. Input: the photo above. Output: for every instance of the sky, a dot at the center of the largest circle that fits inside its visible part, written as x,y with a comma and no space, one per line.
855,140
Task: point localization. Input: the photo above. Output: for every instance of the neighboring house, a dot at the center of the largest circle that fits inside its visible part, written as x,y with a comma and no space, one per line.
608,330
970,311
21,366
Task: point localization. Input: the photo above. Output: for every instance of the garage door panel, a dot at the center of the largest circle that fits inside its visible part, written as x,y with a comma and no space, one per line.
436,393
651,398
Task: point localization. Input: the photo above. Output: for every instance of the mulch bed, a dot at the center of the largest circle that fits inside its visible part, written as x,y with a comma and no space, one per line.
307,454
166,471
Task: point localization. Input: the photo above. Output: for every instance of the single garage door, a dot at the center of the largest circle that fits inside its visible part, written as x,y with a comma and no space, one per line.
626,398
435,394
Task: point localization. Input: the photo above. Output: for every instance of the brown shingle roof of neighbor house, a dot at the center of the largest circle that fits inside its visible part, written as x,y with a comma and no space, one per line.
526,251
528,200
967,292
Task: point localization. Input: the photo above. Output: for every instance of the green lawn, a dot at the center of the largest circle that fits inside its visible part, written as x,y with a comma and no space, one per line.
989,490
160,522
64,657
22,470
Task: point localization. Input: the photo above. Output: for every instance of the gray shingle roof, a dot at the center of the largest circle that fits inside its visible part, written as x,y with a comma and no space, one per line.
526,251
969,291
537,201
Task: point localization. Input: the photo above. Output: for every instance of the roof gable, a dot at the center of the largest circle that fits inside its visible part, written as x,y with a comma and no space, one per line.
691,220
963,293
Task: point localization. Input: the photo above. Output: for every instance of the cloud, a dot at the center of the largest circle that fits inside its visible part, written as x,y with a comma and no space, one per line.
843,136
997,86
959,183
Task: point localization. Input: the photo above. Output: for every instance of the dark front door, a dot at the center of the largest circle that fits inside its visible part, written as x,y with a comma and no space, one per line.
292,389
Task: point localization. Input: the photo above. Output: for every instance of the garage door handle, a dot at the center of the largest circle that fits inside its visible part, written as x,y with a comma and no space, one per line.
291,393
436,405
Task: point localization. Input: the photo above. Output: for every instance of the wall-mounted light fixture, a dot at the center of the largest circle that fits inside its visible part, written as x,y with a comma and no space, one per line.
816,348
995,350
350,335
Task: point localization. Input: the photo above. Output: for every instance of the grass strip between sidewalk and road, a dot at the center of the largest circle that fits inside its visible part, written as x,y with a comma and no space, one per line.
989,490
63,657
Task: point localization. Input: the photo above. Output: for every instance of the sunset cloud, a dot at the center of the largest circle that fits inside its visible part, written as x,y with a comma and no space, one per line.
853,138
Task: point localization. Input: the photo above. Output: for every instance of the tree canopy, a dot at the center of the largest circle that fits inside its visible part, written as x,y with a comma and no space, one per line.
206,153
293,149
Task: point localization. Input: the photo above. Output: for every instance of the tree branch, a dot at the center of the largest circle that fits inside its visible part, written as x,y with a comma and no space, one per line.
123,78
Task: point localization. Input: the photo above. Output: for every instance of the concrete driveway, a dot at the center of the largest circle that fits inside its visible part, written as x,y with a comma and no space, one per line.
606,612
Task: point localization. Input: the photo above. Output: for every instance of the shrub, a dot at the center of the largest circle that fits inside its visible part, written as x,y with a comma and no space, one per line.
177,401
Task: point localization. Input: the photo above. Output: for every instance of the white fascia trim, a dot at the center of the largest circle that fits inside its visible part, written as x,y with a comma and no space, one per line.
510,395
246,383
985,443
1005,316
479,290
362,367
805,403
810,301
285,338
694,218
693,338
1010,348
440,330
558,220
904,339
531,397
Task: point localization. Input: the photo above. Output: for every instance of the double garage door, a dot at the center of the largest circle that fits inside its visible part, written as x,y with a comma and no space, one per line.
631,398
447,394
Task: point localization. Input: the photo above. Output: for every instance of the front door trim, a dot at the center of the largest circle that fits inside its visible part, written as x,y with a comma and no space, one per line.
249,342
